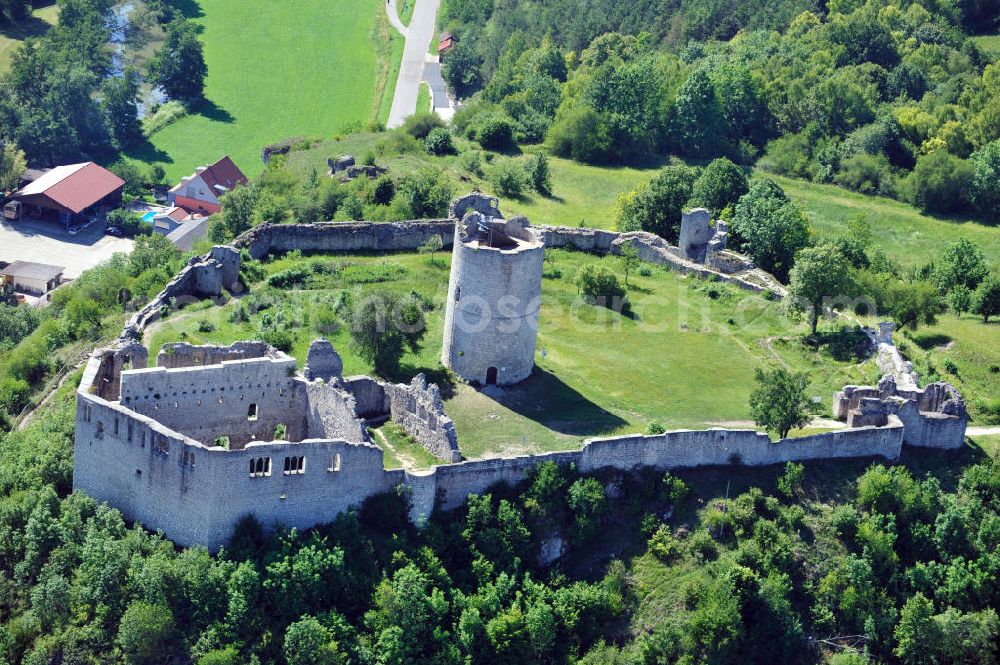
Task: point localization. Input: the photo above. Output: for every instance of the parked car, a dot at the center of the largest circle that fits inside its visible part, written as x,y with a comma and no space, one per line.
114,231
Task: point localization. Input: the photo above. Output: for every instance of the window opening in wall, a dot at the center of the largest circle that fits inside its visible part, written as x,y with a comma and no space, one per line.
491,376
138,472
252,412
116,425
335,463
129,427
295,465
260,466
458,293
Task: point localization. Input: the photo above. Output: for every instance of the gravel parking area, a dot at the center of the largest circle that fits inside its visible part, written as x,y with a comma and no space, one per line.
48,242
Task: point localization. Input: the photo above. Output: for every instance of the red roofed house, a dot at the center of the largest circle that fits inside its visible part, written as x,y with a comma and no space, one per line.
200,191
72,191
445,42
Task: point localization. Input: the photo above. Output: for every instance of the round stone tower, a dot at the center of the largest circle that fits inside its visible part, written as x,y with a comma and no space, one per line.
491,321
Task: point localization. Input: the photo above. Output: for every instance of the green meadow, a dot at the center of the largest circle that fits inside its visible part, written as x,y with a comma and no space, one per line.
684,358
279,70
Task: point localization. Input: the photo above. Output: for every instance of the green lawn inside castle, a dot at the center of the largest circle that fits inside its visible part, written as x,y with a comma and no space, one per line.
684,359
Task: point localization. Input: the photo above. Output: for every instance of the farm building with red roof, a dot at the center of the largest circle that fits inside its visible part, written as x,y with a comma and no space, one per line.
72,191
200,192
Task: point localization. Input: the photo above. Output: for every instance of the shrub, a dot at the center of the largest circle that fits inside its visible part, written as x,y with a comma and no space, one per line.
493,132
279,339
868,174
601,287
420,125
940,182
472,162
289,277
580,134
508,178
205,326
663,545
438,142
655,427
383,190
539,175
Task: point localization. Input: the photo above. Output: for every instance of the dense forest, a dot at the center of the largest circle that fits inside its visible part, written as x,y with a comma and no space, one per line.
890,567
889,98
63,100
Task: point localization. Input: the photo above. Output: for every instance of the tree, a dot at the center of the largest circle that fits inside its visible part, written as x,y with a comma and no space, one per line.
916,634
432,246
145,633
12,165
770,227
962,263
119,97
630,259
580,133
238,207
986,298
179,65
600,287
778,402
461,67
307,642
438,142
538,173
383,326
721,184
986,179
819,273
940,182
913,303
428,192
699,126
960,299
656,206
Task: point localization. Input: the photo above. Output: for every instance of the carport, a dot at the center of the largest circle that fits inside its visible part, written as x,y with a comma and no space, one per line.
71,192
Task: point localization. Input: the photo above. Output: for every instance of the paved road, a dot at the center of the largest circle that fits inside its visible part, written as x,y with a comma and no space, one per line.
418,37
439,92
982,431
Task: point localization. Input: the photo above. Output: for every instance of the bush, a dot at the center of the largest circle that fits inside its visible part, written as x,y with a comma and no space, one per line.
438,142
279,339
663,545
868,174
655,427
493,132
940,182
601,287
420,125
580,134
472,162
508,178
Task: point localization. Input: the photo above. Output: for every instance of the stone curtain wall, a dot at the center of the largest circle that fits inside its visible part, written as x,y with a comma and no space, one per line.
344,236
203,276
418,409
654,249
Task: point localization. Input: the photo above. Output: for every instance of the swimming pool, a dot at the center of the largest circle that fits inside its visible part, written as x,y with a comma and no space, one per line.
148,216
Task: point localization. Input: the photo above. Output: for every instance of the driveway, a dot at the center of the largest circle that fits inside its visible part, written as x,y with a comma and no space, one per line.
418,37
48,242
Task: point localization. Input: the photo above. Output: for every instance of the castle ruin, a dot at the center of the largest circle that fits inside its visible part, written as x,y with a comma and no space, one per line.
216,433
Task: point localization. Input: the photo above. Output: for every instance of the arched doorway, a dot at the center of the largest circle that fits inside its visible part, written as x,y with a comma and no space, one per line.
491,376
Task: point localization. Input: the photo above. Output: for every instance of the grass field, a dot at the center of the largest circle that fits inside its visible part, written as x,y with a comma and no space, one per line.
11,36
289,69
686,359
424,97
903,232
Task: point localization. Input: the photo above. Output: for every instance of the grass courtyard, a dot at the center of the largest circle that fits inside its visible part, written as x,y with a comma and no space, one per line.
685,359
307,68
